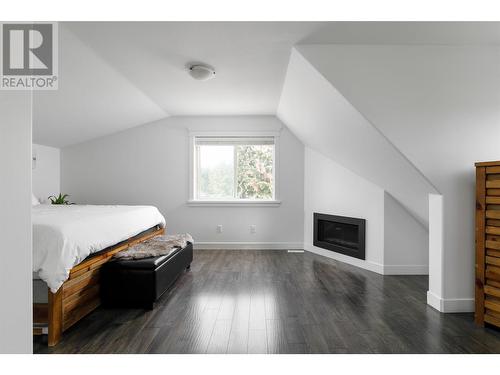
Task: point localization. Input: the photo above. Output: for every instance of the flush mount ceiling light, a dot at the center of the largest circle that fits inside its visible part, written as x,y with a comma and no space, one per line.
201,72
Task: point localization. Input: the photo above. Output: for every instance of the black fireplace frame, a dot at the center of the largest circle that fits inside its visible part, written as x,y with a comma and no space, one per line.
360,223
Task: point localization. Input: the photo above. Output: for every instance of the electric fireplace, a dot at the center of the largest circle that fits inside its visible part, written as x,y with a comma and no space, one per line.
344,235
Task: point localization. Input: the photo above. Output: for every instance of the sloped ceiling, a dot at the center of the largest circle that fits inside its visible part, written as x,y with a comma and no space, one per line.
250,59
93,99
422,98
116,75
407,33
325,121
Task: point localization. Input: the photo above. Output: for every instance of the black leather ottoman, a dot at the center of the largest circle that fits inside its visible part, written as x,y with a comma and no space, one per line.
141,282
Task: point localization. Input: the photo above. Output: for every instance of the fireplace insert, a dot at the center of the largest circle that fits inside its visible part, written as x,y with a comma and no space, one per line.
344,235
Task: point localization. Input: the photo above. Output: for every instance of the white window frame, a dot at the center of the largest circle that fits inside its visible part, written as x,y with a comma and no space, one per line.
233,202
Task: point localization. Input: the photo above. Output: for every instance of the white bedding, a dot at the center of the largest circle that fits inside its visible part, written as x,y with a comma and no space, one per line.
63,235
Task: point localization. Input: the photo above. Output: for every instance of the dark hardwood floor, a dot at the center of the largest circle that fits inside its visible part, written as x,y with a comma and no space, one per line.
279,302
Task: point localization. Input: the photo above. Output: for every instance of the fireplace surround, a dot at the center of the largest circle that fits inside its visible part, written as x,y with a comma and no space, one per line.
344,235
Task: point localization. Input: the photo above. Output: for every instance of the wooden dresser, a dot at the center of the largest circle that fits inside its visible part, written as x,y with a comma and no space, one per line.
488,243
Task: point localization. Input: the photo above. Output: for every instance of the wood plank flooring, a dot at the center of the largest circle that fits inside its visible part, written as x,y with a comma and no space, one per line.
279,302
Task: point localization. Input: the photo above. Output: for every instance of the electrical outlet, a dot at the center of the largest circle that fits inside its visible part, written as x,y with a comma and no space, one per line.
253,229
219,228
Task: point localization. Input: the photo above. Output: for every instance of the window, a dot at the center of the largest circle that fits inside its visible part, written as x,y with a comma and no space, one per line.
234,169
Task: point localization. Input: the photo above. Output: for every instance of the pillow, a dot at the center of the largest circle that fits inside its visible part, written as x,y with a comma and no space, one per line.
34,200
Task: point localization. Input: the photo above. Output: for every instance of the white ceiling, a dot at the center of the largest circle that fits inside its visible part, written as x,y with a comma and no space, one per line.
435,33
117,75
93,99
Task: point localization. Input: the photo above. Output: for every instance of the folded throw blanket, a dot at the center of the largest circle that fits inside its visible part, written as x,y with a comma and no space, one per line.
156,246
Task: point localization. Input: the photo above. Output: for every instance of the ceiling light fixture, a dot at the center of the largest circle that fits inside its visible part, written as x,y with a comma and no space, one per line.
201,72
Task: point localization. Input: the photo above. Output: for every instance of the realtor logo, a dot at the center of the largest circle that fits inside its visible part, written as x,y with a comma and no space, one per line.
29,56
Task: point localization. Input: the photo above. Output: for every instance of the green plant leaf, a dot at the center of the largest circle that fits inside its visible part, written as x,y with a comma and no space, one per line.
60,199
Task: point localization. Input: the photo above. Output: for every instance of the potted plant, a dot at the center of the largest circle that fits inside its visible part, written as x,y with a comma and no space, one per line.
60,199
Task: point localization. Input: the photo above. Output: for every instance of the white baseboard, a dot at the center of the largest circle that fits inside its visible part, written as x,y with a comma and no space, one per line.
406,269
450,305
367,265
372,266
434,301
248,246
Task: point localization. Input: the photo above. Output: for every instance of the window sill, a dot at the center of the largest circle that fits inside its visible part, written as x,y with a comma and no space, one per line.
235,203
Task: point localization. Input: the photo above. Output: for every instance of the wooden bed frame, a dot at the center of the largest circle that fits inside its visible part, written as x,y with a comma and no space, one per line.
79,295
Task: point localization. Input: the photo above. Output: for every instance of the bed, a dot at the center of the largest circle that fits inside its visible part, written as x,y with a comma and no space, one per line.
70,244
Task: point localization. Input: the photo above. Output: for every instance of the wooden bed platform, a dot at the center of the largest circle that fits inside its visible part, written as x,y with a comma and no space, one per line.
80,294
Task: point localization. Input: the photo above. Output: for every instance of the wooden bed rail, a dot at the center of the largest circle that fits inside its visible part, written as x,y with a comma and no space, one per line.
80,294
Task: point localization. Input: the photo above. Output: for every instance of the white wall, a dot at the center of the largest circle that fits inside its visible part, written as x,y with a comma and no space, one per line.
440,106
15,222
332,189
149,165
46,172
405,241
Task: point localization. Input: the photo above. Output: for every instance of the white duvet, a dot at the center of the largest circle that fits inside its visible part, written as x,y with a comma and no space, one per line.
63,235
